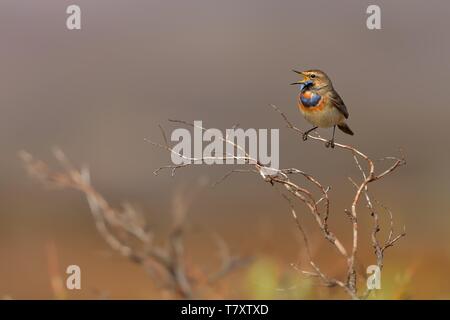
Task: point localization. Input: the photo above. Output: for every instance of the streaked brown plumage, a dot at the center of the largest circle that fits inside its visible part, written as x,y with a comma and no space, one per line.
320,104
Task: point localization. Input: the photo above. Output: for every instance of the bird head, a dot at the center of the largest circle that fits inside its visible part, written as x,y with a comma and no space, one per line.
314,79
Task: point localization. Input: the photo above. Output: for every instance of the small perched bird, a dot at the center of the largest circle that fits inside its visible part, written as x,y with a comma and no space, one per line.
320,104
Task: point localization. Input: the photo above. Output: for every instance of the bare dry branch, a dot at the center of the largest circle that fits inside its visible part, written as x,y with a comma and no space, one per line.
319,205
126,232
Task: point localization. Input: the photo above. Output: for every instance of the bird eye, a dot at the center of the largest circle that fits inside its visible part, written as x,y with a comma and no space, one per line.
312,76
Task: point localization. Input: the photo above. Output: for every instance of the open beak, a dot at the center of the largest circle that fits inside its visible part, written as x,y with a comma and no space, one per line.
302,81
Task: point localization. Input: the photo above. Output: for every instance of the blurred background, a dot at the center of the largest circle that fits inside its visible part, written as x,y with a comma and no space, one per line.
99,92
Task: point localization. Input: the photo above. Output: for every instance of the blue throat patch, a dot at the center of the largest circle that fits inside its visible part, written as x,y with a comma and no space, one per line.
305,85
310,102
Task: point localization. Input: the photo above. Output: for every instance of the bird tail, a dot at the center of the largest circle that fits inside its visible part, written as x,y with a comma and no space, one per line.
345,128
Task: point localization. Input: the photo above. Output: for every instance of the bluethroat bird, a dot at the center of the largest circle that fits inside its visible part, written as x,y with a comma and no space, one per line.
320,104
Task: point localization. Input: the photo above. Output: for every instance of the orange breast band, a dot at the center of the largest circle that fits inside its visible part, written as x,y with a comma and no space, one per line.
319,107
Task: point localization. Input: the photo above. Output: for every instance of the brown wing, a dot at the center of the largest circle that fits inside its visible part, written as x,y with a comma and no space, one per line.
337,102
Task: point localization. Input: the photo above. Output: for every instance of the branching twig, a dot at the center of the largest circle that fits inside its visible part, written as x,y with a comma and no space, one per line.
125,232
318,205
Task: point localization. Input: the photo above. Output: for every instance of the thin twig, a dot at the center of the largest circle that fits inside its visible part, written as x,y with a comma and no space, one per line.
121,228
320,214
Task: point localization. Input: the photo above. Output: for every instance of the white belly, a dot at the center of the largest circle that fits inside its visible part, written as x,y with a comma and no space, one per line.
325,118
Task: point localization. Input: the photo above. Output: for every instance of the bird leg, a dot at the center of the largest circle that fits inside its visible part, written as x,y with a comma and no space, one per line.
330,143
305,134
